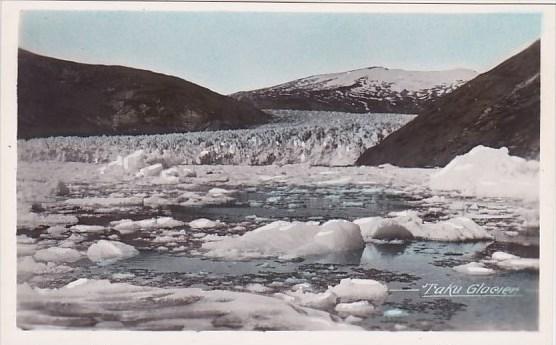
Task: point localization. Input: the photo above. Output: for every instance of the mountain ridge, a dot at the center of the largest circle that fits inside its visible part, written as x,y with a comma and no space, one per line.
61,97
500,107
370,89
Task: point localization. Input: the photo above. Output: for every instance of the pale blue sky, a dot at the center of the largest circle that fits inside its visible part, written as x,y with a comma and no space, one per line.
231,51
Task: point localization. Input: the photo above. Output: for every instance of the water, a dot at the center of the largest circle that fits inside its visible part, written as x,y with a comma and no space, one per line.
405,268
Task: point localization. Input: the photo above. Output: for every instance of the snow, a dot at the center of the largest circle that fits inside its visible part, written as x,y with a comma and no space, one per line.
176,309
408,225
397,79
350,290
474,268
489,172
106,252
56,254
285,239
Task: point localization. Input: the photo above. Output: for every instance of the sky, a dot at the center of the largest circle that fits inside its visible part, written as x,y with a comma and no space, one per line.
235,51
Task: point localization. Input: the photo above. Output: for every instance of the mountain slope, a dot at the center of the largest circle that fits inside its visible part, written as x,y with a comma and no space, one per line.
498,108
57,97
373,89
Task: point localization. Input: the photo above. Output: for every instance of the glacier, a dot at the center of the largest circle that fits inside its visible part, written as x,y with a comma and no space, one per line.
313,137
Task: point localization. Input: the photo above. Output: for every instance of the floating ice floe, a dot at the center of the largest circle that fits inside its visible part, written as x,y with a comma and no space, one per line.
325,300
106,252
28,266
33,220
87,228
134,161
285,239
350,290
57,255
395,313
57,230
203,223
156,201
128,226
105,202
474,268
407,225
358,309
488,172
176,309
511,262
151,170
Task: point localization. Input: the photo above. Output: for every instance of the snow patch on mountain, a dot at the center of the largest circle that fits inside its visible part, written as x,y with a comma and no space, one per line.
373,89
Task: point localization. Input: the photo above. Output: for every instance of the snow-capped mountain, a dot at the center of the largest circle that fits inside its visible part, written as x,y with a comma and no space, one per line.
373,89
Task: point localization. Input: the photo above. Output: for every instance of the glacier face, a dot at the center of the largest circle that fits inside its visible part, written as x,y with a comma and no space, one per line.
313,137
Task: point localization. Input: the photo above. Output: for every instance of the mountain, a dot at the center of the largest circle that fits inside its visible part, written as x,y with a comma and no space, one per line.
498,108
373,89
57,97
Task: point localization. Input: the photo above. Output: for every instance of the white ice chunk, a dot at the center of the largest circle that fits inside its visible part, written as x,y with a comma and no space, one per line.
360,289
107,252
324,300
511,262
28,266
169,308
57,254
285,239
105,202
151,170
474,268
203,223
57,230
32,220
499,256
519,264
489,172
359,309
408,225
135,161
128,226
87,228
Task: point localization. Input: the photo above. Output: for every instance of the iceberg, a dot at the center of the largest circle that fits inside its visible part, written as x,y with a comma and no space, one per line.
57,255
407,225
176,309
512,262
285,239
350,290
106,252
474,268
489,172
